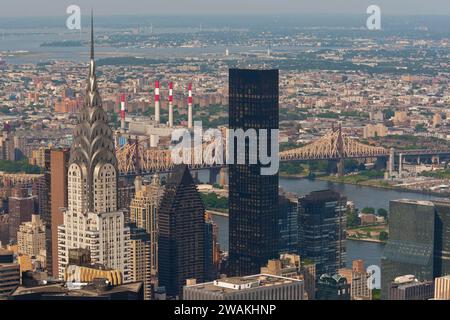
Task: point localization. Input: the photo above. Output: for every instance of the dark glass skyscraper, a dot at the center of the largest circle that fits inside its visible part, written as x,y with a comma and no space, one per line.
419,241
322,222
181,233
287,225
253,197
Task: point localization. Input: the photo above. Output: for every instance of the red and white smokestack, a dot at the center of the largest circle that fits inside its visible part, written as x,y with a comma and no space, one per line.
190,106
122,111
170,104
157,111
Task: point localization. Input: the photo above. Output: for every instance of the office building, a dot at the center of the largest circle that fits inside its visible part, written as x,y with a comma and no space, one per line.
418,241
181,227
4,229
7,148
292,266
9,273
409,288
253,196
322,224
212,249
31,237
21,207
357,277
144,214
255,287
287,224
140,266
92,220
333,287
442,288
58,168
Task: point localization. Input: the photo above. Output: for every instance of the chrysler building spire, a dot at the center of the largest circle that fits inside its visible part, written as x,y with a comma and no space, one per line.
93,151
92,96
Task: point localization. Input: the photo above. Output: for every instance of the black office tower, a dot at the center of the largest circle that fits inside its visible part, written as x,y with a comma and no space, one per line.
253,196
419,241
181,226
322,223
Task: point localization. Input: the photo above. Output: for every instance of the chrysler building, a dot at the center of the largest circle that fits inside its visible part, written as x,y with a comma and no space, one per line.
92,219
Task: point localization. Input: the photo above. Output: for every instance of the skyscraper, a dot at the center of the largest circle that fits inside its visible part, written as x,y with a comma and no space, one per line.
418,241
21,208
144,213
212,249
92,220
287,225
181,233
253,197
140,267
322,223
59,163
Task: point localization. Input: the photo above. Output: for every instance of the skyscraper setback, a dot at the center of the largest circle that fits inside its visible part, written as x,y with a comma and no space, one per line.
253,197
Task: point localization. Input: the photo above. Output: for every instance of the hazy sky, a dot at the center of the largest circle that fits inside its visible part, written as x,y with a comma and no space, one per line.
17,8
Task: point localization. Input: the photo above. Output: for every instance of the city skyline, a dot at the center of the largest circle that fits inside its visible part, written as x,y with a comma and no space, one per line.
94,203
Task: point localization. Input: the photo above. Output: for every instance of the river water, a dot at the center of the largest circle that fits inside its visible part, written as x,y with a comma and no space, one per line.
362,196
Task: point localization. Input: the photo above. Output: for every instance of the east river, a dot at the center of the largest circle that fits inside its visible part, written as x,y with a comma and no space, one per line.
362,196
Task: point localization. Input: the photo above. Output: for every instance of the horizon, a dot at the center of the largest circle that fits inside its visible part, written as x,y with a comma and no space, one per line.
48,8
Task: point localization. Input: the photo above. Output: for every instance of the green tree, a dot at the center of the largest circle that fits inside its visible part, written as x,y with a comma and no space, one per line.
368,210
213,201
18,166
382,213
376,294
383,236
352,218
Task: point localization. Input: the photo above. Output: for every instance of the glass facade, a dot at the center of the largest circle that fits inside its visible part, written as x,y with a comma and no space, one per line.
288,225
411,246
322,223
253,198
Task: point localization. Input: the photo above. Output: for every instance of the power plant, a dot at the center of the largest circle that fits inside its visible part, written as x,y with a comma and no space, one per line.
153,132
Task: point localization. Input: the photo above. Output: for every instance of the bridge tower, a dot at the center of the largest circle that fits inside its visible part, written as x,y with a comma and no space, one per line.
340,145
391,162
223,176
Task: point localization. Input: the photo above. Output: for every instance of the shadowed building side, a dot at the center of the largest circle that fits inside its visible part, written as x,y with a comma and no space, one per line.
181,227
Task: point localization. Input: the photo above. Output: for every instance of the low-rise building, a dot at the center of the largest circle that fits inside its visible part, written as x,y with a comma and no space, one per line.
442,288
409,288
358,278
9,273
292,266
333,287
255,287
